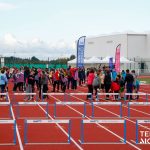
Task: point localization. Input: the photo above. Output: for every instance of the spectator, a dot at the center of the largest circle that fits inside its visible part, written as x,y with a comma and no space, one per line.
90,79
129,83
96,84
107,82
3,82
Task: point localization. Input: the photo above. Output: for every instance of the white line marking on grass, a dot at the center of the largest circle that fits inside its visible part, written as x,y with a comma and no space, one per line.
107,130
18,134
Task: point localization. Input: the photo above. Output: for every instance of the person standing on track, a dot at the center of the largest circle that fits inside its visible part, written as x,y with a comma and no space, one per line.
69,75
107,82
74,78
96,84
29,85
44,83
129,83
3,82
56,80
90,79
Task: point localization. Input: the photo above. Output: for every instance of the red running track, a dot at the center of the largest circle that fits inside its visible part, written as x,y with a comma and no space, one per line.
58,133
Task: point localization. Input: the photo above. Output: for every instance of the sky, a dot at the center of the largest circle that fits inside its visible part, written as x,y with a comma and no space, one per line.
49,28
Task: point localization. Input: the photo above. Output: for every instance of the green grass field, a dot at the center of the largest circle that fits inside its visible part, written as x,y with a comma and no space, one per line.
145,79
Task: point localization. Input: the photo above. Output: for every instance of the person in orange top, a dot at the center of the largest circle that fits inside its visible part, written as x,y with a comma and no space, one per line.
56,80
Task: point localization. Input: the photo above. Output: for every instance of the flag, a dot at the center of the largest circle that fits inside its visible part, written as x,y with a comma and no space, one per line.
111,65
117,58
80,51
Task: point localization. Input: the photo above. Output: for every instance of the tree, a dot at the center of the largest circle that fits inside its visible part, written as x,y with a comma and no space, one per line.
72,57
34,59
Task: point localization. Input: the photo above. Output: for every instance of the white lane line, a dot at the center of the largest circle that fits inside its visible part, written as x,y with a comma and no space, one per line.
79,147
106,129
137,110
115,113
18,134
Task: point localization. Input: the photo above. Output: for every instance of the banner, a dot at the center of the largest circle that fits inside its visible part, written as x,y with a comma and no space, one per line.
111,65
117,58
80,51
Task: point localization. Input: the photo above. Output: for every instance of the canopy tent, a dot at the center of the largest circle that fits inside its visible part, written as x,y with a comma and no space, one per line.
74,61
93,60
123,60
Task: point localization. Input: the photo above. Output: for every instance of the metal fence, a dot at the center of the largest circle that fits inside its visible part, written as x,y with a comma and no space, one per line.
43,66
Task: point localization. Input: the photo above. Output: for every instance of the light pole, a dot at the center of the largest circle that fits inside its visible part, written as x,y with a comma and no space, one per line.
2,61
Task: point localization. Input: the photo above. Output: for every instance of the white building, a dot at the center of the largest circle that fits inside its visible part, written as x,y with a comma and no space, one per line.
133,46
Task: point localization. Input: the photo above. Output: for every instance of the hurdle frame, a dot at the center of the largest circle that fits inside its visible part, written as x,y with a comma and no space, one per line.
107,104
5,94
53,94
77,94
10,105
26,122
104,94
31,104
82,141
24,94
136,104
70,104
137,129
14,132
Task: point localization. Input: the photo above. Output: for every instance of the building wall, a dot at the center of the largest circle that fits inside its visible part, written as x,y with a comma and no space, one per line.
105,45
137,46
148,46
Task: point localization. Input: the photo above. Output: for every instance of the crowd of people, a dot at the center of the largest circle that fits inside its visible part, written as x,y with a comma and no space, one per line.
98,80
109,81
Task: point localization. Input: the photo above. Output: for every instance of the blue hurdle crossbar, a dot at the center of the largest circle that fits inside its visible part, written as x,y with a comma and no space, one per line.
31,104
68,104
7,104
104,94
4,94
14,128
136,104
24,94
136,94
54,94
26,122
102,122
106,104
80,94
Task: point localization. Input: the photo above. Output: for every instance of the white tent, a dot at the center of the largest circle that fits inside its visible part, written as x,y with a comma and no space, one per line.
93,60
74,61
123,60
106,59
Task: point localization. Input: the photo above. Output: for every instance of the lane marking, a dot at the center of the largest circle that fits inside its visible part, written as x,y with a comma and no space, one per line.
79,147
18,134
106,129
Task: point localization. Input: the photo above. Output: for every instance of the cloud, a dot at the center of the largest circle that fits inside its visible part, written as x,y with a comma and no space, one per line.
6,6
10,46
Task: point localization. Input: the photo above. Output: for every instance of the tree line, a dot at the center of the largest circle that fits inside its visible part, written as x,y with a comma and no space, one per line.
34,60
